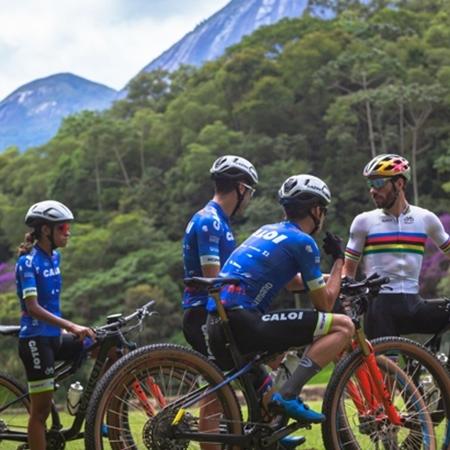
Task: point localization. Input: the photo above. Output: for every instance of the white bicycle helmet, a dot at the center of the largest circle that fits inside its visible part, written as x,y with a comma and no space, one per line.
48,211
304,191
234,167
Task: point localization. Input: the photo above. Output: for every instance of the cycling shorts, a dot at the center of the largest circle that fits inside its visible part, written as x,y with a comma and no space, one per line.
39,354
397,314
194,328
273,332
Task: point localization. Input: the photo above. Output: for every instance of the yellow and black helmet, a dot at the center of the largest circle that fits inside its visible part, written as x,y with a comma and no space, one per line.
388,165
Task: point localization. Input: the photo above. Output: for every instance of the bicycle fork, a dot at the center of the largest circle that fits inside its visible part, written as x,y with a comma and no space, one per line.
373,387
156,392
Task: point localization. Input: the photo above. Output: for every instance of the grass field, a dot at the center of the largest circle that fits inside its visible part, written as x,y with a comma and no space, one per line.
313,436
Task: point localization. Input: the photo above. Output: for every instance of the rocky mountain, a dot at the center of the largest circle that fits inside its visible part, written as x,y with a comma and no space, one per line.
225,28
31,115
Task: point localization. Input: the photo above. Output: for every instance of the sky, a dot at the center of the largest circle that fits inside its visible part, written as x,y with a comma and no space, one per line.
106,41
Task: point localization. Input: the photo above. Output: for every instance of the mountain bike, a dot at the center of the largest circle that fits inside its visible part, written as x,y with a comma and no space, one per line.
364,413
157,396
434,343
14,398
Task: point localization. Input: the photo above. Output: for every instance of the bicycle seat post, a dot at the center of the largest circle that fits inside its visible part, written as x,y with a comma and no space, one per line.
215,294
230,341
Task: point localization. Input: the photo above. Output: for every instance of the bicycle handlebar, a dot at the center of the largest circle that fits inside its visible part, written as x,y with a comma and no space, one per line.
372,283
355,295
116,326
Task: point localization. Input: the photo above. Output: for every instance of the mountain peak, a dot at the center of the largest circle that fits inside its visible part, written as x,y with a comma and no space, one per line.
211,37
32,114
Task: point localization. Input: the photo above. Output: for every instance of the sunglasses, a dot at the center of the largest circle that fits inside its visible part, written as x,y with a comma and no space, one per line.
377,183
63,228
324,210
249,188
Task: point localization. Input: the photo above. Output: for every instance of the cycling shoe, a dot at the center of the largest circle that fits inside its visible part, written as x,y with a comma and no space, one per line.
295,409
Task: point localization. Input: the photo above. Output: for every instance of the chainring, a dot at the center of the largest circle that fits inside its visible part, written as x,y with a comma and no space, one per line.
158,431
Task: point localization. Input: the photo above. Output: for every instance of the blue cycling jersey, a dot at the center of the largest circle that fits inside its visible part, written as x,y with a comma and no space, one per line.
267,261
38,274
208,240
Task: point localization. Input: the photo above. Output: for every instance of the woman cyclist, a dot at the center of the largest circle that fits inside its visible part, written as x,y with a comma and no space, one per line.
38,280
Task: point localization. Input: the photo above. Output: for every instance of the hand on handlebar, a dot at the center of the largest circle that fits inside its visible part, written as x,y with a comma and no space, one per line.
81,332
347,280
333,245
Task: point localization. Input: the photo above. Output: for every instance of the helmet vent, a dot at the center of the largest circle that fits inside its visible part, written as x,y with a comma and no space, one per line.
290,184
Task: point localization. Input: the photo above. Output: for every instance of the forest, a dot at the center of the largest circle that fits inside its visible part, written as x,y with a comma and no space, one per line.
302,96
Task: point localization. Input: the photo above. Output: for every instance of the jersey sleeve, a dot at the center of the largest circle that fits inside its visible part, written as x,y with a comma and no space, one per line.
437,233
357,239
308,257
209,232
27,277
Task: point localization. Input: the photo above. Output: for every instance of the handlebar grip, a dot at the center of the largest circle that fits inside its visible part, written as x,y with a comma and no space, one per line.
378,281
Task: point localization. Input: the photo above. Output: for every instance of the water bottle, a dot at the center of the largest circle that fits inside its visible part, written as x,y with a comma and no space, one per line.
73,397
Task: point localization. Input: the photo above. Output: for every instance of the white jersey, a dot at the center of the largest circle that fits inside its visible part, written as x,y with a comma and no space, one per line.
394,246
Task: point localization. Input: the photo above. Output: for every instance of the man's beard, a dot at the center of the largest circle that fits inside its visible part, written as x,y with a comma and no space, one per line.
385,201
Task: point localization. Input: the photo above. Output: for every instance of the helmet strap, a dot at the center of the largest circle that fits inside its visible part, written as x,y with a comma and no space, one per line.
239,201
52,237
316,222
396,192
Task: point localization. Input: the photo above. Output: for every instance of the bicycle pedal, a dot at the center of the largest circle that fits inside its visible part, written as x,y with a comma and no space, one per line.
305,425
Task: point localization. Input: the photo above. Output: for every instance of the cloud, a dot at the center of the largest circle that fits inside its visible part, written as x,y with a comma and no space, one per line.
107,41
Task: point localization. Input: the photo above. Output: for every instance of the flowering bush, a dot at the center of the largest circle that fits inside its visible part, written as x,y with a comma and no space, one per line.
6,277
435,265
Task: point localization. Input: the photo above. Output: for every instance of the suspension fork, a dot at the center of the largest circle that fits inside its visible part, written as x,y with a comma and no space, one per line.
374,375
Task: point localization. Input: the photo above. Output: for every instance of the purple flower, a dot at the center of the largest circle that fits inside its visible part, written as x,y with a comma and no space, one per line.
7,277
435,264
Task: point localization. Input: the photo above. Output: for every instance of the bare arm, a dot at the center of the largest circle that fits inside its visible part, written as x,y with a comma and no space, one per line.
210,270
38,312
350,268
296,284
323,299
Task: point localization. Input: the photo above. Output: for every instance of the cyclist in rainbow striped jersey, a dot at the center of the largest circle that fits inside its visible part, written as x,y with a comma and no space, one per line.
390,241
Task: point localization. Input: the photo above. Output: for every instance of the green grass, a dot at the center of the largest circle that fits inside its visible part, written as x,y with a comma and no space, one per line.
313,436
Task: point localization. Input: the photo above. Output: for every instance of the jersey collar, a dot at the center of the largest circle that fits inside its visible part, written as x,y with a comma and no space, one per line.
406,210
219,210
43,252
294,224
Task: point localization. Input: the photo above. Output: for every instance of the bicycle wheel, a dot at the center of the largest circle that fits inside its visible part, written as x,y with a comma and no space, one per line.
14,408
411,373
137,399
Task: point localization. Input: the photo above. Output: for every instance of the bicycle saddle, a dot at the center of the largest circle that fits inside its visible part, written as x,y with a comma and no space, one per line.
205,283
9,330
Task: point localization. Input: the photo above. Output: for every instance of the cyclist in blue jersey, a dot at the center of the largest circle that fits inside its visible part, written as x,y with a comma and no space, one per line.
390,240
281,255
38,279
209,240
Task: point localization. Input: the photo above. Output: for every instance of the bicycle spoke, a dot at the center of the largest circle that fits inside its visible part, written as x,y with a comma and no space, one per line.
417,386
167,384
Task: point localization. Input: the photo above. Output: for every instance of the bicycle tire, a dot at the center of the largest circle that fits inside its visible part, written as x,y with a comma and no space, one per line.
117,419
337,430
394,377
13,418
